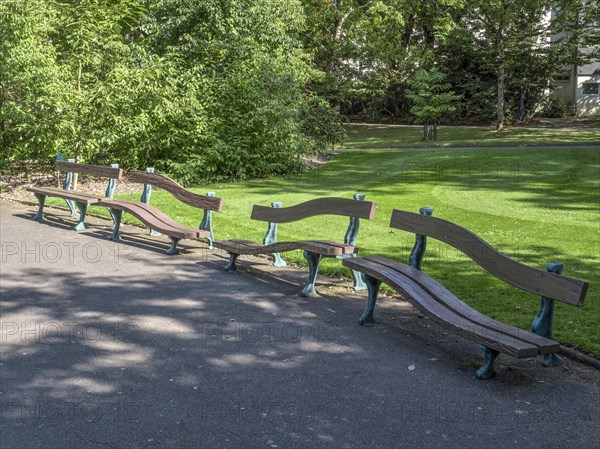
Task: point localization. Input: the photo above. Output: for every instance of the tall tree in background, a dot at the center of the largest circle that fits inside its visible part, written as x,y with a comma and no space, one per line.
510,29
369,49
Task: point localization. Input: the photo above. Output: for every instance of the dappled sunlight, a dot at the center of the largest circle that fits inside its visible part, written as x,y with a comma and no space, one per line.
164,326
63,386
178,303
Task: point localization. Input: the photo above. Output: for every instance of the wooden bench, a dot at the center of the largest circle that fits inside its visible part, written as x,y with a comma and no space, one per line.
82,200
314,250
436,302
159,222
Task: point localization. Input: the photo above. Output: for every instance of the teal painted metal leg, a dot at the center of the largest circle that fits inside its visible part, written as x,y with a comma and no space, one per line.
542,324
206,223
231,265
112,215
40,212
552,359
486,370
71,205
173,248
366,319
313,265
117,214
271,237
278,261
82,211
415,260
359,284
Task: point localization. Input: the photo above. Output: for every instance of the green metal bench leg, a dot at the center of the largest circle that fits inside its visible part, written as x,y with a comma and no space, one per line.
313,265
116,214
415,260
172,250
231,264
72,208
82,211
486,370
359,284
41,200
366,319
542,324
206,223
271,237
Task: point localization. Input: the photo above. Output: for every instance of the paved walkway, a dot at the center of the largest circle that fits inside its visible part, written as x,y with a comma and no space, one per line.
107,345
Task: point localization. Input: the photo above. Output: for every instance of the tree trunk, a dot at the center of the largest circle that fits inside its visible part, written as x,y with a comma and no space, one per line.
501,76
501,71
79,131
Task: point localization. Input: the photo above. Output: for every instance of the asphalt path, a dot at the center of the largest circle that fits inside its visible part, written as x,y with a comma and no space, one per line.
116,345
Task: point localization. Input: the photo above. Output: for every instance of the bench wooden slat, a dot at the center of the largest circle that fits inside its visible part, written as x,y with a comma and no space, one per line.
87,169
245,247
522,276
447,298
153,218
156,213
320,206
424,302
178,191
85,198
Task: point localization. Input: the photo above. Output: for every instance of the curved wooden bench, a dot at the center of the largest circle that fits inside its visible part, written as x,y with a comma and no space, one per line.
158,221
72,198
314,250
435,301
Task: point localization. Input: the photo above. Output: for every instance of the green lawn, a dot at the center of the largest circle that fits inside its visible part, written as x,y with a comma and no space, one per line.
391,136
535,205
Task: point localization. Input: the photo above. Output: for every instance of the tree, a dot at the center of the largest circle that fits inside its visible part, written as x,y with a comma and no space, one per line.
511,29
432,99
30,81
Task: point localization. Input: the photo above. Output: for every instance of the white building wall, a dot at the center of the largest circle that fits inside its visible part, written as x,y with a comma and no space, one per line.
587,104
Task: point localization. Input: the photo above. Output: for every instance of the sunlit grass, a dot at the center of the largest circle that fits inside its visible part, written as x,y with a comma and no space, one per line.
393,136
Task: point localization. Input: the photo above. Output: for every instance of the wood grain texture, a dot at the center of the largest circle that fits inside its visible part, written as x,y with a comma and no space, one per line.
452,302
533,280
441,314
178,191
93,170
155,219
66,194
246,247
320,206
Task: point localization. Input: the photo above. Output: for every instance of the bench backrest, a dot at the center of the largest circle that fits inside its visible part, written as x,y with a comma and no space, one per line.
533,280
92,170
320,206
182,194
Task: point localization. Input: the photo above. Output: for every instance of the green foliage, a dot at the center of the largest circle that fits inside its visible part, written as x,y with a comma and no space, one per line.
431,96
205,91
30,83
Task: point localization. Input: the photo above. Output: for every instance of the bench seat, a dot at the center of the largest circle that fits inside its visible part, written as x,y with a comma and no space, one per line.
155,219
443,307
158,221
79,197
71,197
323,247
314,250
